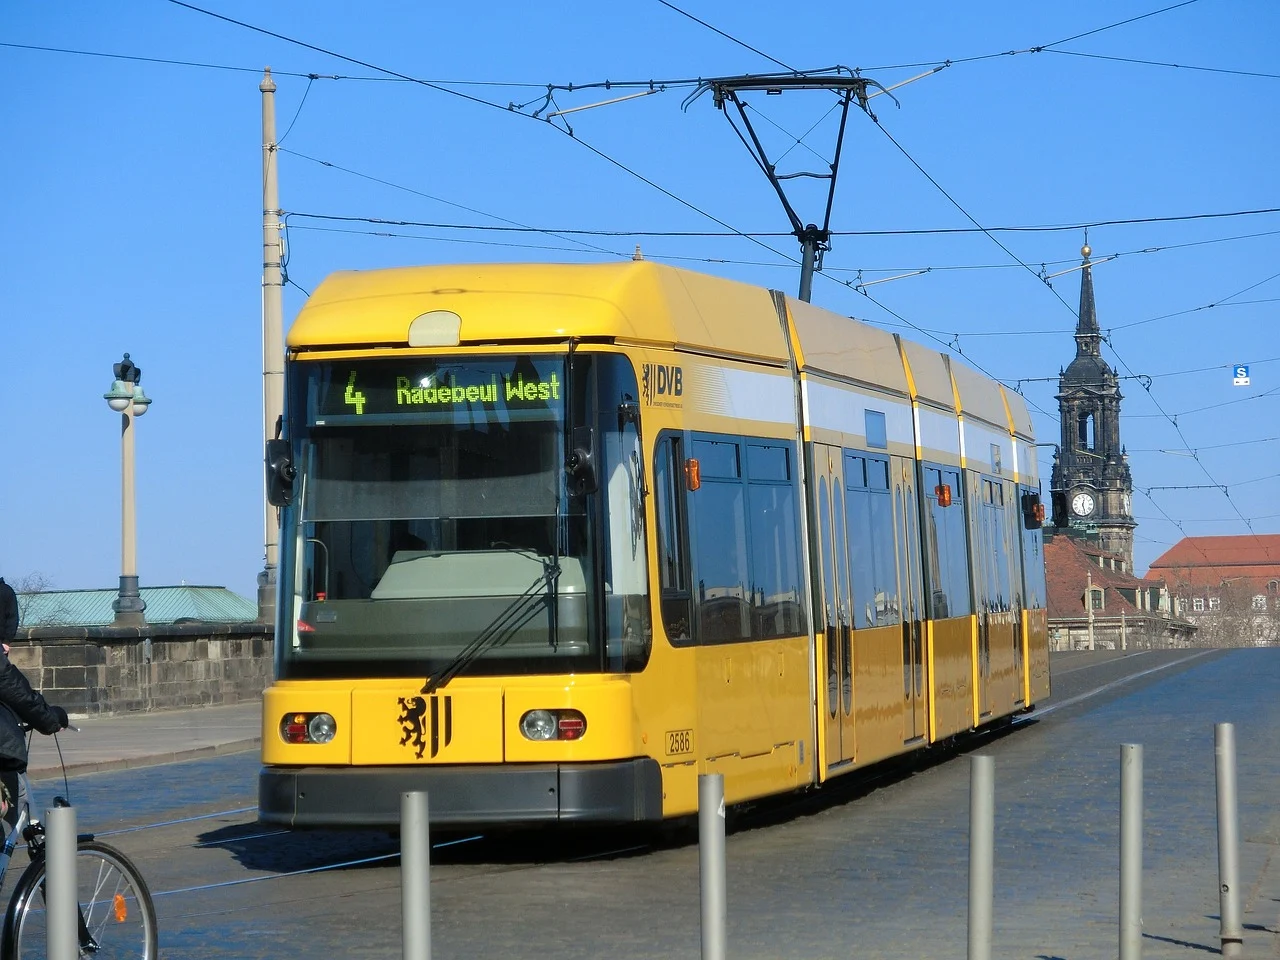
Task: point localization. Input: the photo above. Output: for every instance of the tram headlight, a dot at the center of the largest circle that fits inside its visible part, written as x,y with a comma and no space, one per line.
553,725
322,728
538,725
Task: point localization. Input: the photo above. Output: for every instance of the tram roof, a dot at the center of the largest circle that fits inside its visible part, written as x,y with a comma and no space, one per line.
636,301
639,302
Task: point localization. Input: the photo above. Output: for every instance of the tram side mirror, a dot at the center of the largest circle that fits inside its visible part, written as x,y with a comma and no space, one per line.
628,412
280,473
1032,511
581,462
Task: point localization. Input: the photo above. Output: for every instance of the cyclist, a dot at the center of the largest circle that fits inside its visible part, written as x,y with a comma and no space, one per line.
19,703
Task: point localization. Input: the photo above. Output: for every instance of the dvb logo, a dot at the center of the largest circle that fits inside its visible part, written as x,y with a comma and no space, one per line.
661,381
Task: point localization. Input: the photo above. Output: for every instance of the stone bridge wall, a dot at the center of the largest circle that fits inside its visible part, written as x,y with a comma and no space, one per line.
99,670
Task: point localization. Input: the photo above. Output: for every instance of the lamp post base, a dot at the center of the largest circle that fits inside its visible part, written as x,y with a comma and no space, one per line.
267,595
129,605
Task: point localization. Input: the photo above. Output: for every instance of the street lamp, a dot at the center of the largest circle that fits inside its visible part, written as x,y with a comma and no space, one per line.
127,399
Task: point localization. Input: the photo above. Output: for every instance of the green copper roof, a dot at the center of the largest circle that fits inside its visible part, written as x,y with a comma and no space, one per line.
92,608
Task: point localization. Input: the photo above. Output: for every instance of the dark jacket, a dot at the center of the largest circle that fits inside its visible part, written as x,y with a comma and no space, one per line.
19,701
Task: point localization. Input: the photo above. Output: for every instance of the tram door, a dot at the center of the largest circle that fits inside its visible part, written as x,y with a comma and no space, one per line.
834,625
915,720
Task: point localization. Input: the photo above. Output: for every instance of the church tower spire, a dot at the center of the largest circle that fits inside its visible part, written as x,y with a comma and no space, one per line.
1090,482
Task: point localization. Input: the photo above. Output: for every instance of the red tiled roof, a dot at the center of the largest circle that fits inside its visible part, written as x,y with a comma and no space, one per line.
1069,565
1208,561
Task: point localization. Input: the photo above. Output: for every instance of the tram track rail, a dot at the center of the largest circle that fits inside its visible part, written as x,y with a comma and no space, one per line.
502,853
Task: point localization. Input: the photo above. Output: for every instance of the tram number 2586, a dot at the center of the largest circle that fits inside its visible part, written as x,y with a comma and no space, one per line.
679,741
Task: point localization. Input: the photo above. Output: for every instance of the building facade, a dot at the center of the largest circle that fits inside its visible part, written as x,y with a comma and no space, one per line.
1090,484
1228,586
1096,603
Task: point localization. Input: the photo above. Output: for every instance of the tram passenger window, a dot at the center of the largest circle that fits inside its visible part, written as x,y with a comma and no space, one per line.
745,532
877,433
858,537
947,559
719,521
885,587
673,562
877,474
717,458
768,463
775,548
996,591
870,535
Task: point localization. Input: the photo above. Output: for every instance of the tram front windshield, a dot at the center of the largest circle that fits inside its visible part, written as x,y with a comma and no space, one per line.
437,516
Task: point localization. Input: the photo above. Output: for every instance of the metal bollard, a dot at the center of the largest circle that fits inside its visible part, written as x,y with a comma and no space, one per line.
1131,851
711,865
60,883
1231,931
415,876
982,802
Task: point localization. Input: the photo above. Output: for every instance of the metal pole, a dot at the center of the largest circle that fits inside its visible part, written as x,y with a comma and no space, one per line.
128,605
1124,639
982,802
809,255
415,876
711,865
272,333
60,883
1231,931
1131,851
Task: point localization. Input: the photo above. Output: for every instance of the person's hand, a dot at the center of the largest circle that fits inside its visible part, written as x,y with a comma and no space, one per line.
63,720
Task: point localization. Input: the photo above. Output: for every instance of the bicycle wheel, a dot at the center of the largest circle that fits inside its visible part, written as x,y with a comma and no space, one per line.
117,917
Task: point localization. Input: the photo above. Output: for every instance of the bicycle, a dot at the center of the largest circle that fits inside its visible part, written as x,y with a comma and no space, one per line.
117,918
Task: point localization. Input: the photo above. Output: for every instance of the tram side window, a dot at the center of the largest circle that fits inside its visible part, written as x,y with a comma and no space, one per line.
869,525
673,559
744,520
1033,564
947,551
993,547
776,609
719,520
1012,552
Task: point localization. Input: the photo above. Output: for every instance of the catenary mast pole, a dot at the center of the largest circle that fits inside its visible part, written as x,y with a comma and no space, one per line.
272,334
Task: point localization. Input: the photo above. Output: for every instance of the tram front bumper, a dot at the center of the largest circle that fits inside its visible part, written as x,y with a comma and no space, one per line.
625,791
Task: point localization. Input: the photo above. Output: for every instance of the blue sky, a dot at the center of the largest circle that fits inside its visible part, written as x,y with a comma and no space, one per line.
131,217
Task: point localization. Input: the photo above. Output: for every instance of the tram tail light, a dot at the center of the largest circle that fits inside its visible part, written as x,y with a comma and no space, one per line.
571,725
943,492
1032,511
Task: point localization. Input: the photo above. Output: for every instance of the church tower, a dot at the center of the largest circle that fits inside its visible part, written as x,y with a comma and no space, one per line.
1091,484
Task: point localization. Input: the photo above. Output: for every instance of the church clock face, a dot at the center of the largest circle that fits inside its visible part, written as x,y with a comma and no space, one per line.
1082,504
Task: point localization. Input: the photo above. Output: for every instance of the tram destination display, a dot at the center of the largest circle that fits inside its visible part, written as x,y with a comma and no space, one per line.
435,391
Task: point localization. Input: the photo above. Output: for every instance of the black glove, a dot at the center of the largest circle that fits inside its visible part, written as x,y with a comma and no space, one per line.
63,721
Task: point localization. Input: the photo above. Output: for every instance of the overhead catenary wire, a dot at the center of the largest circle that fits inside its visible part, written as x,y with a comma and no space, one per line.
588,146
1040,48
713,234
741,43
507,223
1176,66
479,100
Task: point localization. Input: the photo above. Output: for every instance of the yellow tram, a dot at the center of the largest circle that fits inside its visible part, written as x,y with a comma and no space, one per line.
556,539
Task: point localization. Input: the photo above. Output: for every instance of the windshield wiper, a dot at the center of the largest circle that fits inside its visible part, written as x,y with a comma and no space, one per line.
503,627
